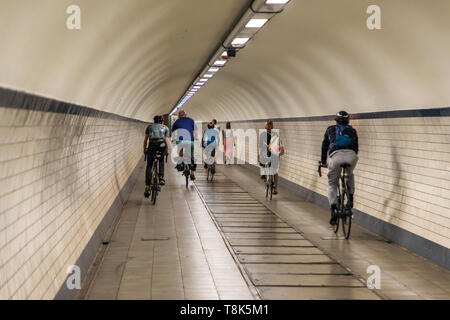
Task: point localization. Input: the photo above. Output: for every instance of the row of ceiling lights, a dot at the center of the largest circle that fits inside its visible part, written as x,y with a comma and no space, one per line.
259,13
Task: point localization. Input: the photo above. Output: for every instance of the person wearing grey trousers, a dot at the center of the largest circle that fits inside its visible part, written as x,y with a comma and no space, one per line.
339,146
336,159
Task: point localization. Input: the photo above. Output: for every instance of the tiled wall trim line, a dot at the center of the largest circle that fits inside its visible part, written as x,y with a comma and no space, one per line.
22,100
434,112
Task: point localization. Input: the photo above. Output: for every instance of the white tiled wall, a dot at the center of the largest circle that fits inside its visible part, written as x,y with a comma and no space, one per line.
403,173
59,175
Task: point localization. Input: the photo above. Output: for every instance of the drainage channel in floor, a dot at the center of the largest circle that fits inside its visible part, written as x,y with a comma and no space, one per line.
279,261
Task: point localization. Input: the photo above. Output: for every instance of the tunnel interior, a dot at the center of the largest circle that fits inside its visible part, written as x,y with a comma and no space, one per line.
79,84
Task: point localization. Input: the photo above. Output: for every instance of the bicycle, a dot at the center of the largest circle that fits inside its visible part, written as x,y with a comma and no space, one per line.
154,183
343,213
210,168
210,172
186,168
270,182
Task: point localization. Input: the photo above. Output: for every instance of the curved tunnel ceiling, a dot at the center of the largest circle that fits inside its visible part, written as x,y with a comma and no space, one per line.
317,57
134,58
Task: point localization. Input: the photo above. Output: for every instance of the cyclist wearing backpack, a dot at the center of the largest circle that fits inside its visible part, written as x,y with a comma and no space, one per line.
340,144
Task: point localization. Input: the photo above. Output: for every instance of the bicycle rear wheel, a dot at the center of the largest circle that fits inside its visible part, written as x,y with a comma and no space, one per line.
155,182
347,223
186,173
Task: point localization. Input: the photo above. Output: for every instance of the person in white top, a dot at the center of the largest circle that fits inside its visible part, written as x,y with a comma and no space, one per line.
228,142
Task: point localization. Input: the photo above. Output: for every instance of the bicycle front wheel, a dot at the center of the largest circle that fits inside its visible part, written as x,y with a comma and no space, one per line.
271,187
155,183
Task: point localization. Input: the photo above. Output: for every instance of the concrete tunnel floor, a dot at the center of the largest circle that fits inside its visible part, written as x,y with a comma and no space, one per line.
175,251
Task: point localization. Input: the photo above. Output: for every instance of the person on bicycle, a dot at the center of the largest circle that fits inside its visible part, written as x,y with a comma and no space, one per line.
158,135
184,129
210,142
340,144
269,151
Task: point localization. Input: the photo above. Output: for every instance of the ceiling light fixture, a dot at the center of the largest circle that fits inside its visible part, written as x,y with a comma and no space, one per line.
256,17
256,23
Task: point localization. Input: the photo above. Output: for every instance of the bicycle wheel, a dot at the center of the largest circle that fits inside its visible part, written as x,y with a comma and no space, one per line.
336,226
155,182
267,189
271,187
347,214
186,173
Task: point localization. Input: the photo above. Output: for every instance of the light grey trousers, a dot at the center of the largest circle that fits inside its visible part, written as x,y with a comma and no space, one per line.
335,161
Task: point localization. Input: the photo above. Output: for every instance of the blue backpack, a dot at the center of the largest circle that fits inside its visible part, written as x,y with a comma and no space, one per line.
343,135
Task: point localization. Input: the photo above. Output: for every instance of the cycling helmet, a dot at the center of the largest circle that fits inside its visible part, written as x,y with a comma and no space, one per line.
211,125
158,119
342,117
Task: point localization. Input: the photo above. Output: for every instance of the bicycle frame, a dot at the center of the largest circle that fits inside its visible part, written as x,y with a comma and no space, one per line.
344,215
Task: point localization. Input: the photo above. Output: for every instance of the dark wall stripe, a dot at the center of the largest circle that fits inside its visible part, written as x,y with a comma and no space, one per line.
424,247
89,252
416,113
21,100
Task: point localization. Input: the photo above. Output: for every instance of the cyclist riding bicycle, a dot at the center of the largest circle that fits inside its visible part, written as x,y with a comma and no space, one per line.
158,135
184,129
210,142
269,151
340,143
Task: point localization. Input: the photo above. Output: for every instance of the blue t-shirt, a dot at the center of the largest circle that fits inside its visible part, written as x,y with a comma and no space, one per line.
187,124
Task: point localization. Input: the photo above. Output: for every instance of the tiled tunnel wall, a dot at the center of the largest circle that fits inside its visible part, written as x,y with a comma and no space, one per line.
59,175
403,173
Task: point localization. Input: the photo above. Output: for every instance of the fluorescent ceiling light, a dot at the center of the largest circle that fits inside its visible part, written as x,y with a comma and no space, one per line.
208,75
277,1
220,62
256,23
239,41
199,83
213,70
197,87
203,80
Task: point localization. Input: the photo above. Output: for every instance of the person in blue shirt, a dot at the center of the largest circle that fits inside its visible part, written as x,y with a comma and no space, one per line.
184,129
340,145
210,143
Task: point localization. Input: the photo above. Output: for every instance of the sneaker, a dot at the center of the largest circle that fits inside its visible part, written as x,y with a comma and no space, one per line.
350,202
162,181
333,215
147,191
192,176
